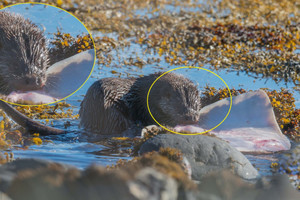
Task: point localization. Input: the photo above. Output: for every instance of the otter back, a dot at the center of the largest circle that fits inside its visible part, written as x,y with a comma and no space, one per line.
103,109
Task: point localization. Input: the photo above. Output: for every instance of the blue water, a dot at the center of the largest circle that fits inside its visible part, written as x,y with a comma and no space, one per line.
50,18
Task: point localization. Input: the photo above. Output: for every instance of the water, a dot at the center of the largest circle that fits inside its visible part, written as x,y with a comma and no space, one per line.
60,20
79,154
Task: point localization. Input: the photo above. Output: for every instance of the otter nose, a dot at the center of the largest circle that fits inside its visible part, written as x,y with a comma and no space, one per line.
189,120
29,80
33,81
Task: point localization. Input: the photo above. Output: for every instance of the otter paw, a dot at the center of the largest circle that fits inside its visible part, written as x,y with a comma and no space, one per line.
151,130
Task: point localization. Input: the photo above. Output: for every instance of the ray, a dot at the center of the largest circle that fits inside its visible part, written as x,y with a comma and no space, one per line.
69,74
250,127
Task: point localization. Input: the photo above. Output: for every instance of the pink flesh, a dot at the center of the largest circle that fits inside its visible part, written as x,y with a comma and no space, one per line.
36,97
250,127
246,139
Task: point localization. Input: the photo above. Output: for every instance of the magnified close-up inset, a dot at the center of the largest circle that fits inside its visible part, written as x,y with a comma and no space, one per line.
46,54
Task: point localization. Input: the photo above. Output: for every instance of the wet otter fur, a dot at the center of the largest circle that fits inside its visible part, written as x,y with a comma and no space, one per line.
23,54
111,106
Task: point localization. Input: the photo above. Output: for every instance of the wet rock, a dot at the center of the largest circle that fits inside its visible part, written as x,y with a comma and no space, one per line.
227,186
205,196
205,154
53,182
4,196
9,170
57,182
278,188
150,184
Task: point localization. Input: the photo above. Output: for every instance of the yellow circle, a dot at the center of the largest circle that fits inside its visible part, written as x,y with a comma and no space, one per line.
189,68
93,46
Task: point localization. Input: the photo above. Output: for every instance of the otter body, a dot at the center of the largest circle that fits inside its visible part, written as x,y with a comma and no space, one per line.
113,105
103,109
23,54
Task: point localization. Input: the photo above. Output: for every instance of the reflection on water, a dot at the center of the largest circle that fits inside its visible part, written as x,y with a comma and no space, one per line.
79,154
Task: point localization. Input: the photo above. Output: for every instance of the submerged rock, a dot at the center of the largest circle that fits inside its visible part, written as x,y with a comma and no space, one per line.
205,154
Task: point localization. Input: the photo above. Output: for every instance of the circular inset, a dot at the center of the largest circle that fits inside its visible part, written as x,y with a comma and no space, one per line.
189,67
46,54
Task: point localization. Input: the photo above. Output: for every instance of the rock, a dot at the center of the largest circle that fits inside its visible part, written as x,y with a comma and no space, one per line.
56,182
151,184
205,196
4,196
9,170
227,186
279,188
205,154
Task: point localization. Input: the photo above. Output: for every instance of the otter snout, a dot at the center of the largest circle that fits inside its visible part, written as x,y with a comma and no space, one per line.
27,83
191,117
189,120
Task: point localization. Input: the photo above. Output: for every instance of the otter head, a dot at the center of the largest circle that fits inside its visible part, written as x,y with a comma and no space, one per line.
23,54
175,100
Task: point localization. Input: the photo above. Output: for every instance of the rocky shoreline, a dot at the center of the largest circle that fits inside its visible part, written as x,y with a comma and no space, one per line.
218,171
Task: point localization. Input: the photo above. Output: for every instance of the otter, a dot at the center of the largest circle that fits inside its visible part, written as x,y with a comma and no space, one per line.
23,54
111,106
